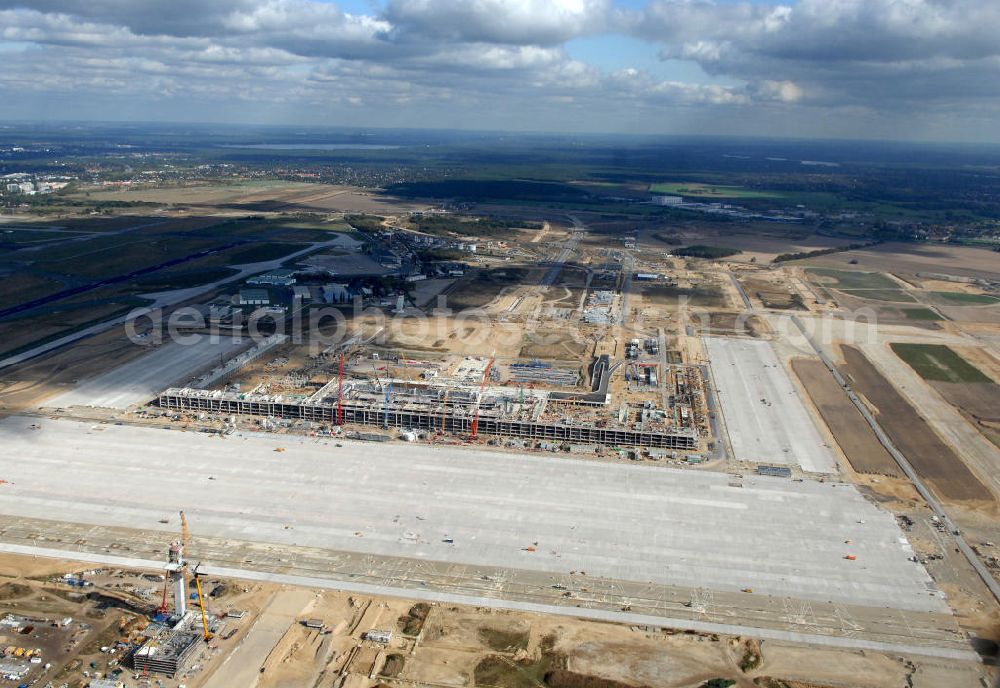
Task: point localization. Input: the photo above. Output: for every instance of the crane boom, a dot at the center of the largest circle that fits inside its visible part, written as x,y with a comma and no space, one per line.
201,603
479,399
340,392
185,534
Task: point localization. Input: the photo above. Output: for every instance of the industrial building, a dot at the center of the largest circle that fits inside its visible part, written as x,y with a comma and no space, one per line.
275,278
254,297
435,407
167,654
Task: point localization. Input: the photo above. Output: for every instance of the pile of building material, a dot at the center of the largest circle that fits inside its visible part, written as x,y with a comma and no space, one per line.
543,373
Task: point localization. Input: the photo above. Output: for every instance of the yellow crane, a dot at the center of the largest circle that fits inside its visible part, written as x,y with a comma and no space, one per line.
185,538
201,603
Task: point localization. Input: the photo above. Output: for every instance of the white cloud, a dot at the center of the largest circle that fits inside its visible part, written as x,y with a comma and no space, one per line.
516,22
894,57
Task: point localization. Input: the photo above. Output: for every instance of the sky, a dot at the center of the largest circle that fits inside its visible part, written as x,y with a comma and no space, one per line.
899,69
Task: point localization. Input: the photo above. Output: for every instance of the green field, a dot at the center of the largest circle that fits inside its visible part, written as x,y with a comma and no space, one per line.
264,252
890,295
854,279
698,190
963,299
938,363
920,314
181,279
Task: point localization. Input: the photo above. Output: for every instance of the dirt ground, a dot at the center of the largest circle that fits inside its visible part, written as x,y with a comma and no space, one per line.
447,645
909,259
980,403
25,386
849,428
773,293
934,460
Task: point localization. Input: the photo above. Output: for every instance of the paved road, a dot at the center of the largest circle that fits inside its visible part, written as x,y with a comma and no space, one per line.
568,247
786,620
742,292
474,507
161,300
140,380
766,418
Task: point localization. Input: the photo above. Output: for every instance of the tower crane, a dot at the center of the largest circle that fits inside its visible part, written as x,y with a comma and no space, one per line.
479,399
340,392
444,410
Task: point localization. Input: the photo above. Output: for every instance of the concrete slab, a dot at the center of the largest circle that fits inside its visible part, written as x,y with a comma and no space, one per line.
141,379
448,504
766,419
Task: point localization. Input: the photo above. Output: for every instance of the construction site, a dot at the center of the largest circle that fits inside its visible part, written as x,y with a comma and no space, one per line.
448,404
625,438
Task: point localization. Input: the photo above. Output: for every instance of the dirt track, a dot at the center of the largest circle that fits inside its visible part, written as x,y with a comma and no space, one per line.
934,460
850,430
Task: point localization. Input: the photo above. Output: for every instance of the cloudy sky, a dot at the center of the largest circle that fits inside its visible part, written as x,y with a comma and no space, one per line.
905,69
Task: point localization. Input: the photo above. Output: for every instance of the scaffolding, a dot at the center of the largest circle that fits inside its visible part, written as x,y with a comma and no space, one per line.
166,655
432,408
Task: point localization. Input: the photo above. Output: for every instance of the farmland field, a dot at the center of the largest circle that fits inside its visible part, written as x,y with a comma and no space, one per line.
920,314
264,252
938,363
846,423
698,190
964,299
707,296
890,295
979,403
854,279
934,460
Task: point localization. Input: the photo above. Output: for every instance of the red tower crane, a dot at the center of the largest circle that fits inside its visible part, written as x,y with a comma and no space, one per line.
479,399
340,392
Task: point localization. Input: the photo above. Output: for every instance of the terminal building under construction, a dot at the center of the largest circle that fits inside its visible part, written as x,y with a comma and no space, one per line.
460,410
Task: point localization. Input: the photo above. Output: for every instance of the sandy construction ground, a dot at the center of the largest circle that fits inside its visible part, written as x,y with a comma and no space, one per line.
242,668
766,419
141,379
474,507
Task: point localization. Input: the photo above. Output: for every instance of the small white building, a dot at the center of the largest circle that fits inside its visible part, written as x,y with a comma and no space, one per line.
254,297
376,636
668,200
